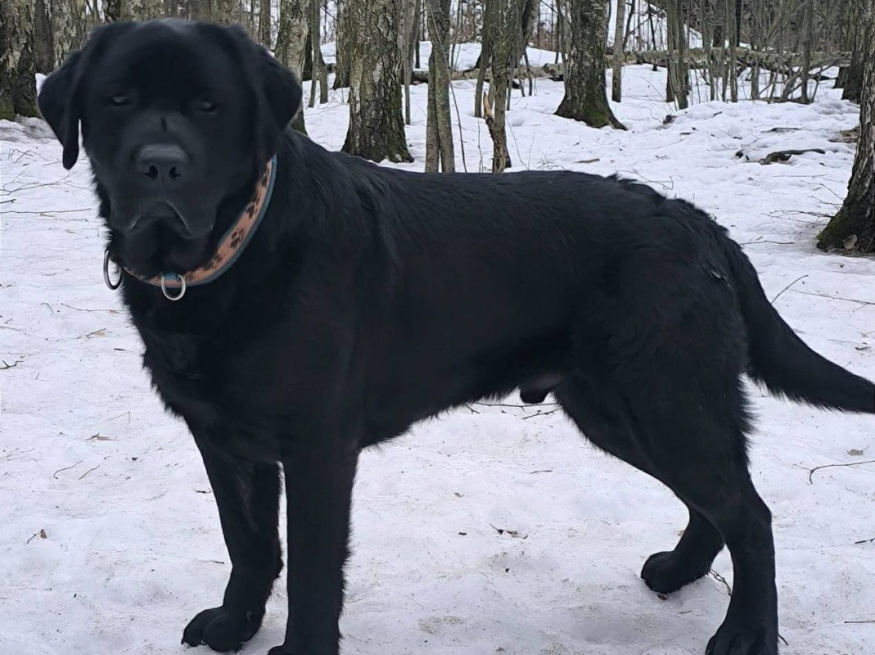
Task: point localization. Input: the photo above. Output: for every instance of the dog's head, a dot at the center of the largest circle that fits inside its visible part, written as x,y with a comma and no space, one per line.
178,120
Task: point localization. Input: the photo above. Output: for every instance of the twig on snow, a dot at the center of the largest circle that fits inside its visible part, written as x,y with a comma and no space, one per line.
89,471
720,578
66,468
787,287
824,295
540,413
811,472
518,405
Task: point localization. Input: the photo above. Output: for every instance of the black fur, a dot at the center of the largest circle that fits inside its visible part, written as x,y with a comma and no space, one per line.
371,298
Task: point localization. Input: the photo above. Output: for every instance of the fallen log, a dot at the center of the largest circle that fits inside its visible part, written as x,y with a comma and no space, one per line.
694,58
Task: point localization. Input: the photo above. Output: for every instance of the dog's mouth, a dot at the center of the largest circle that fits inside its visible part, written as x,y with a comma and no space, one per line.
160,238
166,214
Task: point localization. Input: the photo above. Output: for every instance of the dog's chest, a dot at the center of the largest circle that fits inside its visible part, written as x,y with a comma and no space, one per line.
244,393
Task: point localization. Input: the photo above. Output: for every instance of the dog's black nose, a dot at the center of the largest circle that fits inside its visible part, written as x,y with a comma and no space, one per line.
164,164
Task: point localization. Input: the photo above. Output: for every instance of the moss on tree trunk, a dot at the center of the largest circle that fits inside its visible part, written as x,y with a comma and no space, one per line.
853,228
585,93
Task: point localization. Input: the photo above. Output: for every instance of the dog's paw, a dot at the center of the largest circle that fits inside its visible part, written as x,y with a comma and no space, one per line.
743,637
665,572
222,630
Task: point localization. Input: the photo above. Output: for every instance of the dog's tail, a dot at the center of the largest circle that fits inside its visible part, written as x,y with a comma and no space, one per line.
781,361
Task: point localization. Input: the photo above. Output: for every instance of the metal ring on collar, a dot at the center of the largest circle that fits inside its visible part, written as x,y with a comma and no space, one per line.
167,293
112,285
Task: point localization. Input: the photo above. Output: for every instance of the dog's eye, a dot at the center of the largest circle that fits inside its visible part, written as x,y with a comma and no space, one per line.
120,100
205,107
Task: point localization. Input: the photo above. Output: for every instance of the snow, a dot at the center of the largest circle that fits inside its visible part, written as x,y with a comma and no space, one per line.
133,547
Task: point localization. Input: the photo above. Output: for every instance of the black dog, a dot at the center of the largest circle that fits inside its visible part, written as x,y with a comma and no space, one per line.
324,304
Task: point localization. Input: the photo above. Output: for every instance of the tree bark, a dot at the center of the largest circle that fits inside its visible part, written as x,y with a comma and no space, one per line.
853,228
585,94
439,132
17,66
70,27
853,77
223,11
200,10
142,9
405,35
43,39
505,19
732,73
619,38
376,122
112,9
291,44
341,48
318,69
807,29
483,60
264,22
677,78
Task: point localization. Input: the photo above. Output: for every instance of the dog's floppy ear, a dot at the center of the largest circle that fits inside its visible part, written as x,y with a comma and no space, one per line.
58,103
281,89
277,92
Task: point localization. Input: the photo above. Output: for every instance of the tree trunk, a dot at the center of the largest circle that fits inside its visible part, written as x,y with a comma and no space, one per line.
415,33
112,9
17,67
291,43
619,37
585,94
319,71
407,20
341,48
853,228
376,123
807,29
200,10
484,59
677,78
70,27
264,22
732,73
43,39
439,132
505,19
853,77
142,9
223,11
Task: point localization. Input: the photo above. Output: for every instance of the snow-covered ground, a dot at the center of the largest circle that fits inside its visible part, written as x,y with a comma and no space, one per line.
109,536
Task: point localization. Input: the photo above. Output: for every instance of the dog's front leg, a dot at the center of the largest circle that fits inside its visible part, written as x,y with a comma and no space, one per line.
319,480
247,494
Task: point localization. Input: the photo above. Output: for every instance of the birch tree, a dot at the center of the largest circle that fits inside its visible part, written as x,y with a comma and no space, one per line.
376,122
585,80
17,67
291,43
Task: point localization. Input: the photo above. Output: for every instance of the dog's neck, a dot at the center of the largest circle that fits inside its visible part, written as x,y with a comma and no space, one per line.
229,247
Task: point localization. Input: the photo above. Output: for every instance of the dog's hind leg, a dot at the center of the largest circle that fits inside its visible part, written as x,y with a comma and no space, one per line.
598,414
247,495
690,421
